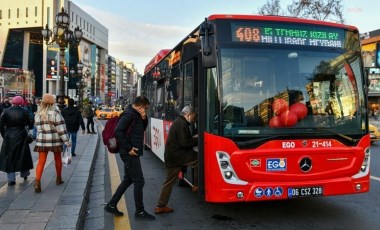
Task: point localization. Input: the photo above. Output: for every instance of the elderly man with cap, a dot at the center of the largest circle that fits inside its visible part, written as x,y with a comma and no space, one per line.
178,153
15,153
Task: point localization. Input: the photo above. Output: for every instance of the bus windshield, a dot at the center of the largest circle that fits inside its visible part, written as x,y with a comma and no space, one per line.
277,90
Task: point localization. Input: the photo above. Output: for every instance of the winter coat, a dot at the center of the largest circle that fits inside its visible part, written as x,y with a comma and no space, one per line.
15,153
180,143
88,111
73,119
51,133
136,136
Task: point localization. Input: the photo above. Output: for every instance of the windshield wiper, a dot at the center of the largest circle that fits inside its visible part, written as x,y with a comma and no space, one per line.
338,134
250,142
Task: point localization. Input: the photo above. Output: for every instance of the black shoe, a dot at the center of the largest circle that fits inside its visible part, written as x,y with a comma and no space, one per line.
11,183
73,154
144,216
25,177
112,210
94,133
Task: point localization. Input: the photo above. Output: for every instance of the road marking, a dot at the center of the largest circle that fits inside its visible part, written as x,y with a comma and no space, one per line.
119,222
375,178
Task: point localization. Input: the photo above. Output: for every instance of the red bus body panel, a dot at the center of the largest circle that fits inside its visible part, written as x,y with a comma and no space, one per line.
333,168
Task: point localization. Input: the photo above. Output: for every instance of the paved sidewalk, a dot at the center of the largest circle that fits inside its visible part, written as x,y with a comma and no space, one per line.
56,207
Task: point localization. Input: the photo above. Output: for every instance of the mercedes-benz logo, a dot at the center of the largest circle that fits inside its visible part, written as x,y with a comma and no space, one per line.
305,164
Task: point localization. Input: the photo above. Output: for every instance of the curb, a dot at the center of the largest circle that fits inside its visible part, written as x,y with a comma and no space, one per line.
91,149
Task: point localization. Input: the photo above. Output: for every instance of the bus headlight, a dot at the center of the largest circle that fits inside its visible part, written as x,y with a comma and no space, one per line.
224,164
228,173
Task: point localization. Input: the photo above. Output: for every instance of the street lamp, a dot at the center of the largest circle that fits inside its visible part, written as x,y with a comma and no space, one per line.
63,37
79,74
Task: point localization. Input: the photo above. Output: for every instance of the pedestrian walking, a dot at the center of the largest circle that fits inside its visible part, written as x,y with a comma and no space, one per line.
90,118
51,135
178,153
15,153
5,104
73,119
131,142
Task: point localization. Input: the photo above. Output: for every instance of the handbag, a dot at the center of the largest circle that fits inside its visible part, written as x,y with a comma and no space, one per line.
29,137
66,158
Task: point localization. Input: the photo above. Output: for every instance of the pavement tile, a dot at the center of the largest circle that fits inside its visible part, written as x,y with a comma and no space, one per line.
95,212
94,224
13,216
9,226
32,226
62,222
38,217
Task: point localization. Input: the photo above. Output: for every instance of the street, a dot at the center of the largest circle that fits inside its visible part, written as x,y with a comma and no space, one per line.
58,206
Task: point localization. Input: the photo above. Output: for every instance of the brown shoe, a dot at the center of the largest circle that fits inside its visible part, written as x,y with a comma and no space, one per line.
165,209
58,180
194,188
37,186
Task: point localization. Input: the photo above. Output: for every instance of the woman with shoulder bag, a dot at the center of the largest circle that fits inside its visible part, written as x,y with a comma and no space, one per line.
51,136
15,153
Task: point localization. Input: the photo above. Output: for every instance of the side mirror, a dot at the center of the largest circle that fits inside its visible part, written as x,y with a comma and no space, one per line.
208,44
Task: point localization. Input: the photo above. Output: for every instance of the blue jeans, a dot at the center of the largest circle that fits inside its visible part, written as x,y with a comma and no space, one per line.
132,175
12,176
73,136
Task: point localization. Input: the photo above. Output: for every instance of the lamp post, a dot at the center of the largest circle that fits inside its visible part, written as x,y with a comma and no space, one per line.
79,74
63,37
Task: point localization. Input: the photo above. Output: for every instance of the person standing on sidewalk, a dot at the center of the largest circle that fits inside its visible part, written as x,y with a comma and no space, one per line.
90,118
131,141
178,153
15,153
73,119
51,135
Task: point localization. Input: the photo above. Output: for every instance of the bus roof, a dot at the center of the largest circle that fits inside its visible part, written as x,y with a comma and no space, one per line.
280,19
156,59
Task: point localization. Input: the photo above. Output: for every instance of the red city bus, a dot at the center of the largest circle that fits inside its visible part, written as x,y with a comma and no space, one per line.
281,104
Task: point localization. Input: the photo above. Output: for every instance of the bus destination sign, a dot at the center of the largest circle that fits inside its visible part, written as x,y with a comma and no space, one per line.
288,35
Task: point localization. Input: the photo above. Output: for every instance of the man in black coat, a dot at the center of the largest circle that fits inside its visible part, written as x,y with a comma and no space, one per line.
129,134
178,153
73,119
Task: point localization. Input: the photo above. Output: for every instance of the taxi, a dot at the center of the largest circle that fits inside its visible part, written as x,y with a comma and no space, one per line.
106,113
374,132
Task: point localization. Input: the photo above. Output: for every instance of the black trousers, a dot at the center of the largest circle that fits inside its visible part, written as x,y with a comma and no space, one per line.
132,175
90,121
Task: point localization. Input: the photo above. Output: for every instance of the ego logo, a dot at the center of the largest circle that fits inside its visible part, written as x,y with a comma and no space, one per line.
278,164
288,144
156,137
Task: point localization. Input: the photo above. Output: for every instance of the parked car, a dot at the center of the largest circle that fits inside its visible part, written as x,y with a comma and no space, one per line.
106,113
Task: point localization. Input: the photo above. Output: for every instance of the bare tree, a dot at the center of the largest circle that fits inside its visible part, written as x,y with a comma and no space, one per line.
272,7
324,10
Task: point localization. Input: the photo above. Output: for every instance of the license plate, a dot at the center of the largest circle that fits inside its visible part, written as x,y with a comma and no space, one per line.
305,192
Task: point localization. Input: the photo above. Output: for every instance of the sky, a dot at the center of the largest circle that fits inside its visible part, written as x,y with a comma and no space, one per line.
139,29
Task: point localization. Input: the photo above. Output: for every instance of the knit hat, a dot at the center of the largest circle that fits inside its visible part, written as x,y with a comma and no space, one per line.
17,100
48,99
187,109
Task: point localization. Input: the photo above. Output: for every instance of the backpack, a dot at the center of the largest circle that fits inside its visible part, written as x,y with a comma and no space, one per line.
108,134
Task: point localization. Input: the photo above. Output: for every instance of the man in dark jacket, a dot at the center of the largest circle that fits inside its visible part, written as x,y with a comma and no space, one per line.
178,153
73,119
129,133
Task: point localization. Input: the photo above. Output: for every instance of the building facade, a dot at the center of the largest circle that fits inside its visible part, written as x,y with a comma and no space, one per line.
23,47
371,58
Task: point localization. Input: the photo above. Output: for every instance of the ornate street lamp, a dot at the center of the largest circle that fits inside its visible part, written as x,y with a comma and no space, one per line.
63,37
